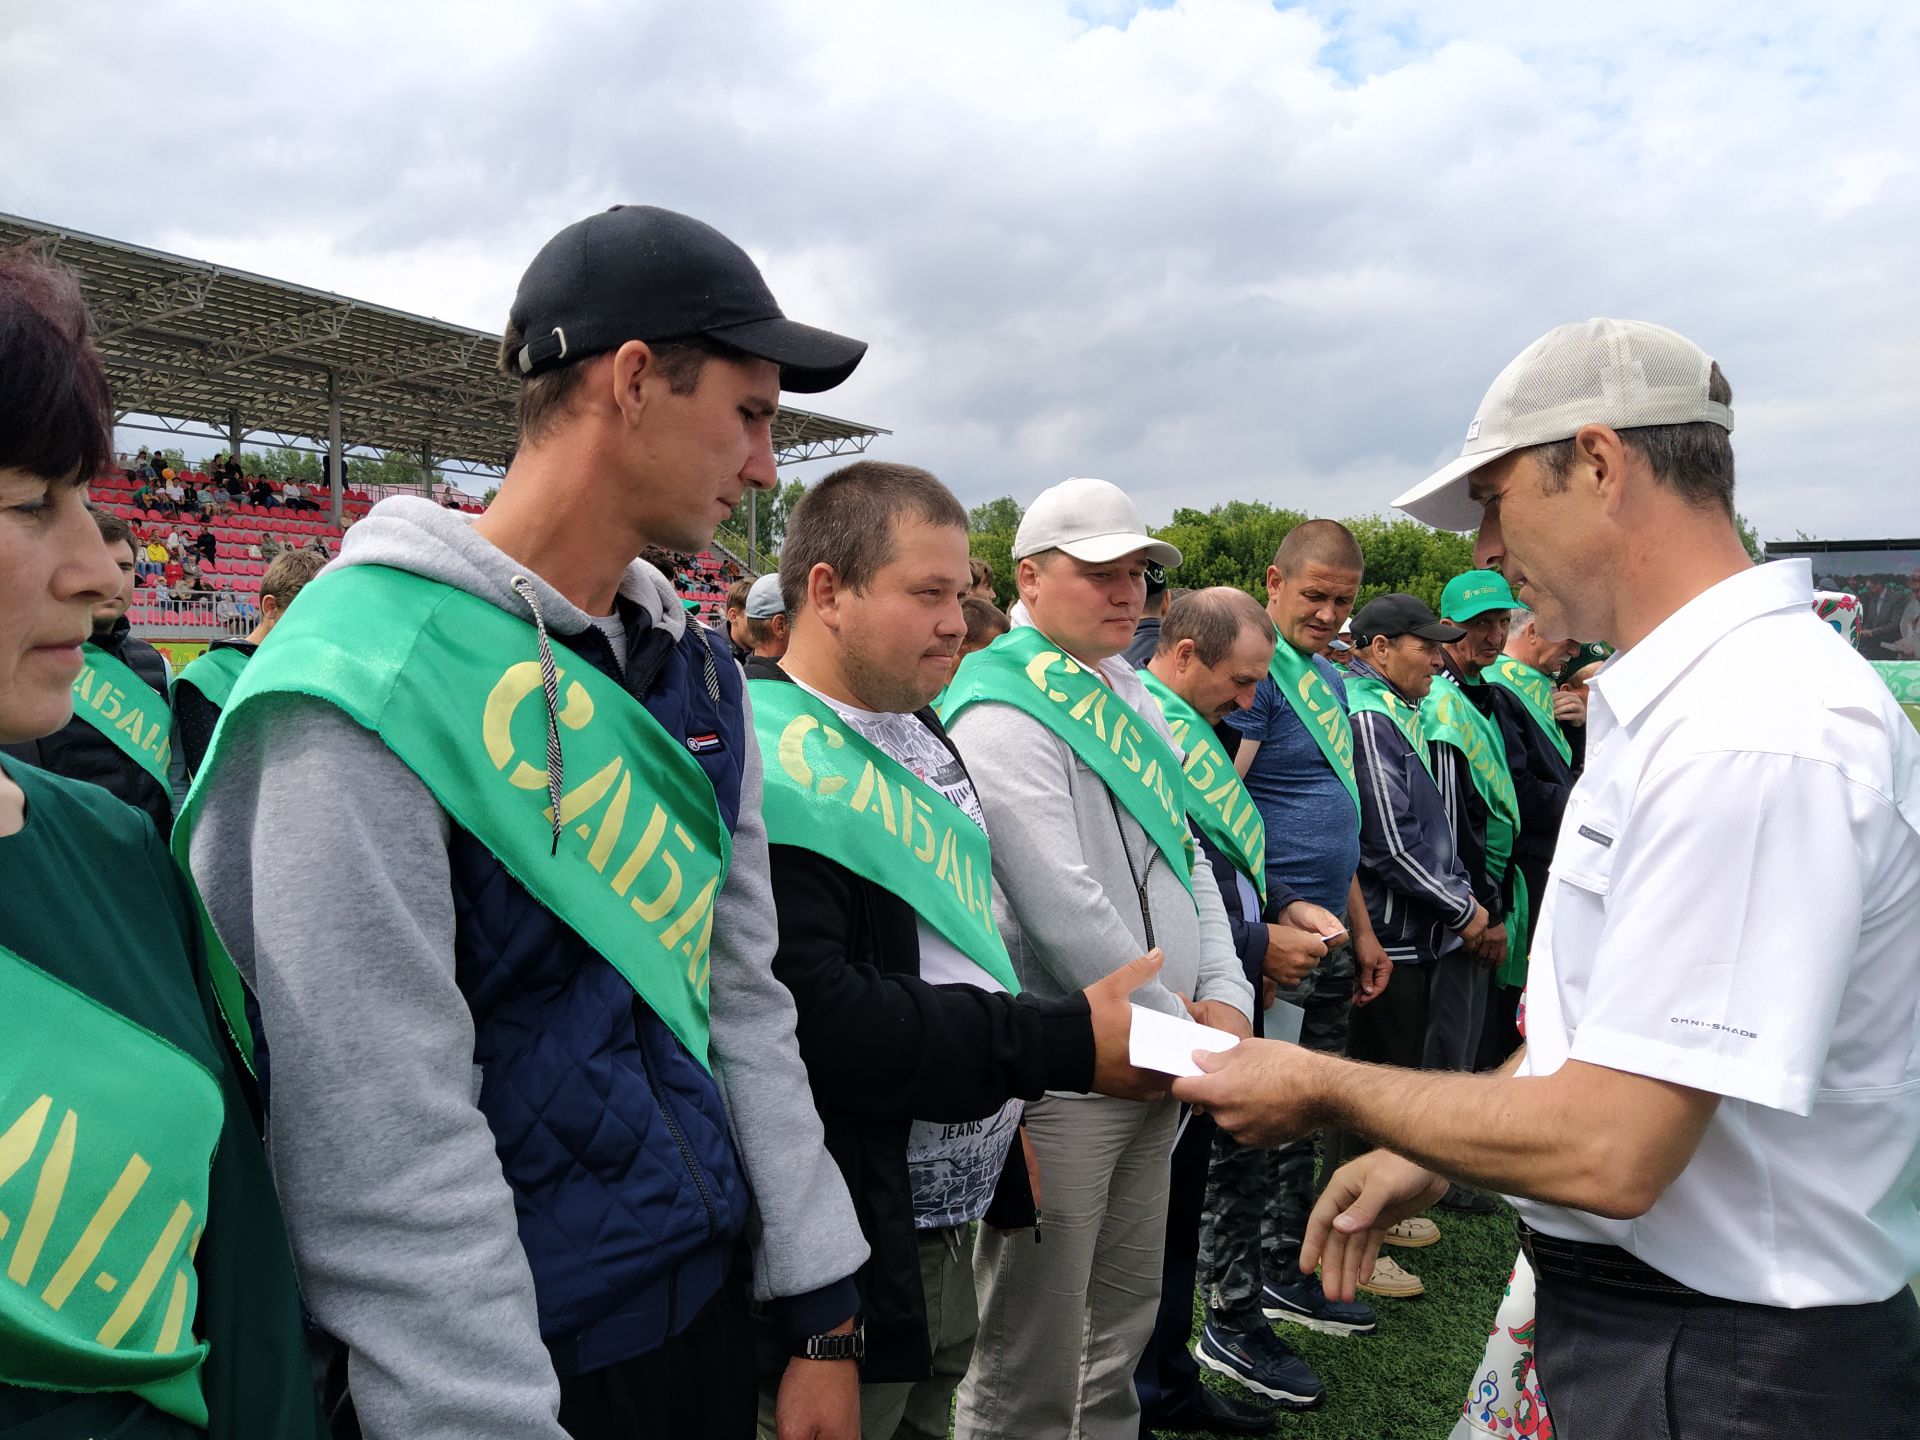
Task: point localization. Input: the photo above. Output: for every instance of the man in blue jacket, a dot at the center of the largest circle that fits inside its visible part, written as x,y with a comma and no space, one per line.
517,1167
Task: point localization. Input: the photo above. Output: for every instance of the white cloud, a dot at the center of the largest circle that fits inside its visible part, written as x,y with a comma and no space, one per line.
1212,250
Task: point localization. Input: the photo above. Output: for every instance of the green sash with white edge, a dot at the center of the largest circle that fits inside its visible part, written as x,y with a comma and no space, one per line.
453,686
1026,670
214,674
125,709
1535,689
107,1136
1450,718
1367,692
1299,680
1217,799
829,789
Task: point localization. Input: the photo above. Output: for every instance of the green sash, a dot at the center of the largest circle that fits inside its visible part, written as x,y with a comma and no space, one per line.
1535,690
1903,678
452,685
1450,718
1299,679
832,791
214,674
1217,799
107,1134
1367,692
125,709
1026,670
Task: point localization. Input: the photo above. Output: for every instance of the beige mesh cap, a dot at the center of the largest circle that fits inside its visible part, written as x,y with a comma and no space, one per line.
1622,373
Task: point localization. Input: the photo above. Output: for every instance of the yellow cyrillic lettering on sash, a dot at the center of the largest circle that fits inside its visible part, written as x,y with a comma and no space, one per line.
643,852
1221,797
1200,772
109,702
1119,729
611,824
130,724
948,866
87,1247
20,1141
1037,672
793,753
651,910
47,1192
515,684
176,1320
925,852
144,1284
585,795
1096,702
83,684
872,785
688,918
906,816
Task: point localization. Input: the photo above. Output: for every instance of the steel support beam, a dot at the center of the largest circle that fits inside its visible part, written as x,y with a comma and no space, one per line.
333,448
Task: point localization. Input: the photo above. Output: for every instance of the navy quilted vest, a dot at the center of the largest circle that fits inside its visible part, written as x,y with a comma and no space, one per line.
612,1137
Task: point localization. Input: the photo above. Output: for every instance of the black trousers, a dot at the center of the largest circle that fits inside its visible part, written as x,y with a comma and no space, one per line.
1166,1375
1620,1365
701,1382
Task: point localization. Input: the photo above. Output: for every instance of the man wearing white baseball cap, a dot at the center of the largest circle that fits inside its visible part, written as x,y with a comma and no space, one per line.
767,628
1075,766
1712,1130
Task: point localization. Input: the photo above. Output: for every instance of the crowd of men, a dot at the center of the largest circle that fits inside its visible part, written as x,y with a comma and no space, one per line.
672,1031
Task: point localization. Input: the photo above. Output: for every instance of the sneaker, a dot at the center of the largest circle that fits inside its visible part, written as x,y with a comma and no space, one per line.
1259,1361
1463,1201
1414,1233
1301,1301
1212,1413
1390,1280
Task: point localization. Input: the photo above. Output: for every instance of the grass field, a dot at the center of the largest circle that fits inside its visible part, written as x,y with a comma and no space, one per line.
1406,1381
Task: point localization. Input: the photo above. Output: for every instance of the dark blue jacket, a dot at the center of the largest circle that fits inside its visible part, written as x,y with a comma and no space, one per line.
611,1135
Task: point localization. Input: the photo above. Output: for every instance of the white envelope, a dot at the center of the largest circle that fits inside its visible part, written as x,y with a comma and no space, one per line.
1166,1043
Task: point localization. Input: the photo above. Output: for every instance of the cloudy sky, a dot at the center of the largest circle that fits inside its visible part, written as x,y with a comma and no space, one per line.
1209,250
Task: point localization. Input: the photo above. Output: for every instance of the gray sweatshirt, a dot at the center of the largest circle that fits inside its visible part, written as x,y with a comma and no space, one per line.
323,862
1065,855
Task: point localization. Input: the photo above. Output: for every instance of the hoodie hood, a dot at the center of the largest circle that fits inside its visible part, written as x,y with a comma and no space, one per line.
412,534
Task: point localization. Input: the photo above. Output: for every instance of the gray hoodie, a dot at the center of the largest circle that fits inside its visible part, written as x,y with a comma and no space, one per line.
1065,858
323,862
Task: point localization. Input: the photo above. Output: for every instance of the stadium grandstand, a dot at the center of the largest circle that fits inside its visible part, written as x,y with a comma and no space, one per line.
220,357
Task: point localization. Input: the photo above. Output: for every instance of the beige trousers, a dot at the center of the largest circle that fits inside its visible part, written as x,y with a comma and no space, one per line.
1063,1322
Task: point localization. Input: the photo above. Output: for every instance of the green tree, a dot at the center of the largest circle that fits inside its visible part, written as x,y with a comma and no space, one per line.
990,531
775,509
1749,537
995,516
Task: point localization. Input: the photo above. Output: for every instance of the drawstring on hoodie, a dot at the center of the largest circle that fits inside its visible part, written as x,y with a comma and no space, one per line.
550,686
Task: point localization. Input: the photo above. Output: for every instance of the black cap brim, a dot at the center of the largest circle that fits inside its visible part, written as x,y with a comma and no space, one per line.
1446,634
810,359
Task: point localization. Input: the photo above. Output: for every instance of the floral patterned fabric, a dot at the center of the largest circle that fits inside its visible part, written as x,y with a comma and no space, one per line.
1505,1399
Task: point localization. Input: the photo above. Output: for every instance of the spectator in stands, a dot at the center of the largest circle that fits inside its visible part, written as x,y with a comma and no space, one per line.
262,493
176,491
295,498
1146,634
142,467
224,609
123,697
270,546
737,618
106,1001
982,580
500,1271
248,607
201,690
986,623
766,625
142,497
207,546
155,553
904,1010
233,482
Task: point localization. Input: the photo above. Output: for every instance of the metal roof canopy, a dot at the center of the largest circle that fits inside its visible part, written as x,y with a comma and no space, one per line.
189,340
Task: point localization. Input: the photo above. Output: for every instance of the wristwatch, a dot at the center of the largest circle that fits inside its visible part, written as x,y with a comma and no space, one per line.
851,1346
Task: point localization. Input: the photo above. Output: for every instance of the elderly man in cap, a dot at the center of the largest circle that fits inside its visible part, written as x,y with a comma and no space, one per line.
765,628
482,830
1077,770
1712,1129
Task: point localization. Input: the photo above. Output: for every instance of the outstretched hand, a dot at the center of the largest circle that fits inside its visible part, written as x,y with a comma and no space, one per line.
1363,1200
1110,1001
1261,1092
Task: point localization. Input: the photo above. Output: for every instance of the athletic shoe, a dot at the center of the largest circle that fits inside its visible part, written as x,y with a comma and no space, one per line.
1211,1413
1390,1280
1301,1301
1463,1201
1259,1361
1414,1233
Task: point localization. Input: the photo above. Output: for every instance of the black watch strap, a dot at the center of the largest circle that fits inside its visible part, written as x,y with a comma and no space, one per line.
852,1346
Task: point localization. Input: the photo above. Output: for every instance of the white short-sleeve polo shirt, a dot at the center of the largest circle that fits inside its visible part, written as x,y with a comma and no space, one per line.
1734,906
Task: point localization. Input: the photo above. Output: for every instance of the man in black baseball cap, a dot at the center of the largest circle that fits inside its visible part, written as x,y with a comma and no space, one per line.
1418,893
637,272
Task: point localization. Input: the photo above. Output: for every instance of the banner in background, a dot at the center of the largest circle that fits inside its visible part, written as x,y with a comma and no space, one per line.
180,653
1903,678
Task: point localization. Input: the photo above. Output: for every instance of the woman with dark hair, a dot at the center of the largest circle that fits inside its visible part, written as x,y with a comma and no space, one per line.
148,1292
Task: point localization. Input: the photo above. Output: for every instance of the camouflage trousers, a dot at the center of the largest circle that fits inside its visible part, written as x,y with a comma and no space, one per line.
1258,1201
